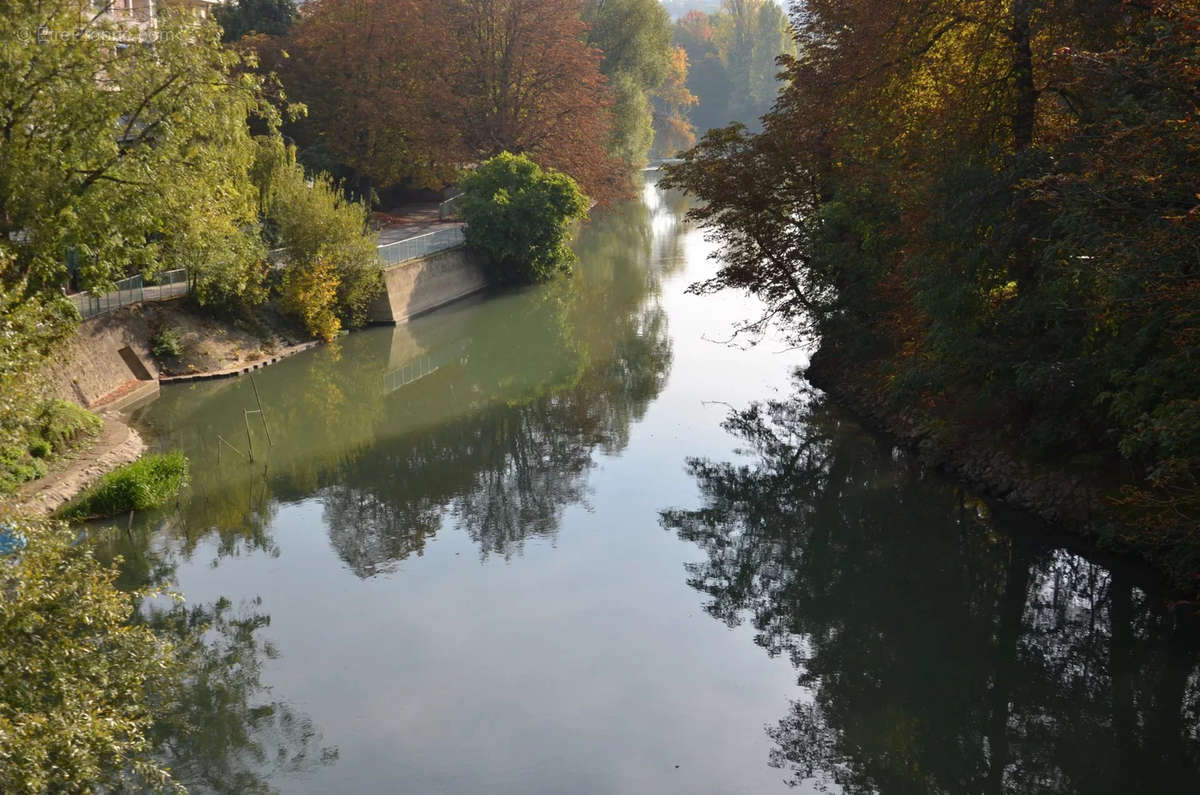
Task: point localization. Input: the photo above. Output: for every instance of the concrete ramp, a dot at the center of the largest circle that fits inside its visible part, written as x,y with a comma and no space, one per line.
419,285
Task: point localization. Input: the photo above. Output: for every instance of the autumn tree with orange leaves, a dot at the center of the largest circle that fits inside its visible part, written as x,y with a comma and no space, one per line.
989,212
399,91
524,81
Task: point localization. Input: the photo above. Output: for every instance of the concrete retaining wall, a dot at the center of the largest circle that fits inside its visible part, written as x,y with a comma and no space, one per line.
107,364
420,285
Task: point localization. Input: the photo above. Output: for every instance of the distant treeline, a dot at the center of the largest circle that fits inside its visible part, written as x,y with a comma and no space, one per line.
731,56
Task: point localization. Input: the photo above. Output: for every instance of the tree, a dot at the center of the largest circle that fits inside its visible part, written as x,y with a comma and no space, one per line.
245,17
988,209
673,131
367,71
635,37
732,54
402,92
321,231
525,82
749,35
706,77
518,215
75,676
111,173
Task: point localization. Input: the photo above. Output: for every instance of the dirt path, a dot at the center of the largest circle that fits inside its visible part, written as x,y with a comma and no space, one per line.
116,444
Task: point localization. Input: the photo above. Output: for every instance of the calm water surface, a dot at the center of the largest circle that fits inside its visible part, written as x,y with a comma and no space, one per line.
525,545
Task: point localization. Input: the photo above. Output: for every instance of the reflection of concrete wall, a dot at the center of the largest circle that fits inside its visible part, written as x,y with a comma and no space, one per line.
423,284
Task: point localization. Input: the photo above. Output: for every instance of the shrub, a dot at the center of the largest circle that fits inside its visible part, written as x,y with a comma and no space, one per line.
518,215
40,448
146,483
317,226
165,343
62,423
310,292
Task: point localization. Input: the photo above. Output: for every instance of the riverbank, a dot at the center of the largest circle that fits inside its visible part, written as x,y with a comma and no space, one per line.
119,358
1073,502
115,445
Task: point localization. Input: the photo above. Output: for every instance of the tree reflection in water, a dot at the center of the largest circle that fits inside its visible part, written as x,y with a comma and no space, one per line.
938,654
220,730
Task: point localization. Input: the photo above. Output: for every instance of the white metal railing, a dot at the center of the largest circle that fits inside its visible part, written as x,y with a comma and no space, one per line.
419,246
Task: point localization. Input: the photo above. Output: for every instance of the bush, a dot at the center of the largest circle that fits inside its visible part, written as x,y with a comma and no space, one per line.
147,483
51,430
310,292
166,343
518,215
320,229
61,424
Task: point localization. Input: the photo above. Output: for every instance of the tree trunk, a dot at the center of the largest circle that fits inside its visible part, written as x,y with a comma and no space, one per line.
1025,102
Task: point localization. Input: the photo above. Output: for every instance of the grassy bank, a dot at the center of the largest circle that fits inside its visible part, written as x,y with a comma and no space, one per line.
147,483
58,428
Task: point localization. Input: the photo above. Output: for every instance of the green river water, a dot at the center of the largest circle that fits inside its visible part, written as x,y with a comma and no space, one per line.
520,545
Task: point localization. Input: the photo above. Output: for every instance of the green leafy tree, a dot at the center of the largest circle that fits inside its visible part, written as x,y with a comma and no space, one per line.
318,229
75,675
519,215
122,153
635,37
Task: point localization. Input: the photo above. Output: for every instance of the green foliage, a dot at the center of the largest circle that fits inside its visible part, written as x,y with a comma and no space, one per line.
635,37
633,130
75,676
310,293
147,483
134,178
245,17
319,230
61,423
32,427
31,328
166,342
519,215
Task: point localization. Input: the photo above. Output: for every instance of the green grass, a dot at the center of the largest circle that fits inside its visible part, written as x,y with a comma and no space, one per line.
57,428
63,423
147,483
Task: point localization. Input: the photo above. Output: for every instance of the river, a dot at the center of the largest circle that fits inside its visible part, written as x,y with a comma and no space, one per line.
539,542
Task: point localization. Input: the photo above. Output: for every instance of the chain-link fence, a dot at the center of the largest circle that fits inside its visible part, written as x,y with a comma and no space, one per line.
132,290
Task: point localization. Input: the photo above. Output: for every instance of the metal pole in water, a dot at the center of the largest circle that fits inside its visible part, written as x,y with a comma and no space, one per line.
249,441
261,411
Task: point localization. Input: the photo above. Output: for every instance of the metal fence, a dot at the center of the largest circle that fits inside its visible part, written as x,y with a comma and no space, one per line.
132,290
421,245
449,209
